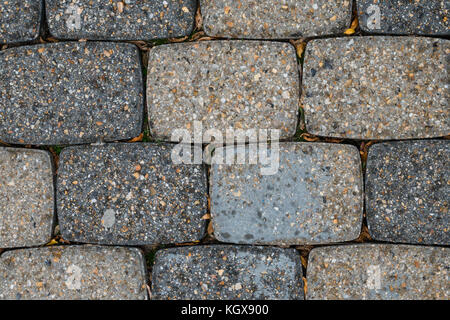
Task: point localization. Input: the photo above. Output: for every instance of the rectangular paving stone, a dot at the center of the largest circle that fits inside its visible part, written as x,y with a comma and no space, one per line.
20,20
120,20
407,192
129,194
267,19
421,17
219,272
315,197
377,87
73,273
26,197
70,93
378,272
223,84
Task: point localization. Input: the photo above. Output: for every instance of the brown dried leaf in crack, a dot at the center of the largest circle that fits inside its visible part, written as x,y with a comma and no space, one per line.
210,228
198,19
178,39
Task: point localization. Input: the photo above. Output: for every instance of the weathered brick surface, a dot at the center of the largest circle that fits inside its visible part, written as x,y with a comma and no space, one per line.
422,17
315,197
26,197
20,20
129,194
70,93
407,192
72,273
227,272
378,271
120,20
267,19
223,84
377,87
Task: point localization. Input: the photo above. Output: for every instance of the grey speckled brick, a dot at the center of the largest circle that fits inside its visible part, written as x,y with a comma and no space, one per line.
422,17
378,272
73,273
227,273
267,19
377,87
70,93
20,20
224,84
315,197
26,197
407,192
120,20
129,194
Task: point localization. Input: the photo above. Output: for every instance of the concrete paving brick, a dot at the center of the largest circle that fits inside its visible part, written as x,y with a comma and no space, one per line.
267,19
120,20
26,197
378,272
407,192
129,194
70,93
377,88
315,197
73,273
223,84
228,273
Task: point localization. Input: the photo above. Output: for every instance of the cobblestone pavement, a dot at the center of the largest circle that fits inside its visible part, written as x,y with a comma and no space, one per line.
93,204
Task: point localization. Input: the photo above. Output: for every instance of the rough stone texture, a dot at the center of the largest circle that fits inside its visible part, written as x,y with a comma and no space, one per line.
26,197
377,271
224,84
120,20
227,273
377,87
315,197
72,92
267,19
20,20
422,17
129,194
73,272
407,192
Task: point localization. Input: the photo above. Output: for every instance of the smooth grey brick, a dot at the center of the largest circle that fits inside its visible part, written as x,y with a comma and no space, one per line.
315,197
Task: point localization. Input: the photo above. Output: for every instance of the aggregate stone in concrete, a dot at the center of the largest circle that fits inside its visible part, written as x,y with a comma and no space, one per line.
267,19
221,272
20,20
377,87
422,17
407,192
26,197
73,273
70,93
315,197
120,20
378,272
223,84
129,194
